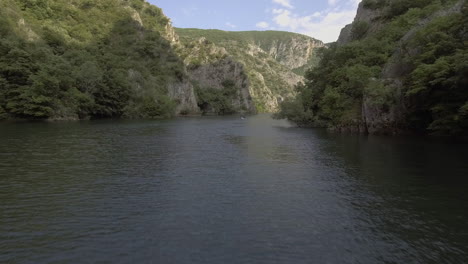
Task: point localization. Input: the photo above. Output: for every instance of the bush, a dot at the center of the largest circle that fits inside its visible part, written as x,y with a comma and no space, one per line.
374,4
359,29
379,94
163,107
217,100
400,7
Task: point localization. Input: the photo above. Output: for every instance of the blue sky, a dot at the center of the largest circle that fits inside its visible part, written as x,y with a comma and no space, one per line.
322,19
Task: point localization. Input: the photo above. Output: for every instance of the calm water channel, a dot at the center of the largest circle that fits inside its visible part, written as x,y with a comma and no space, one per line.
226,190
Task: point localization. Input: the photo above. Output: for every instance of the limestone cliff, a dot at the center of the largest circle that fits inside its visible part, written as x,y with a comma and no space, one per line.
223,75
274,61
211,70
290,49
179,89
207,69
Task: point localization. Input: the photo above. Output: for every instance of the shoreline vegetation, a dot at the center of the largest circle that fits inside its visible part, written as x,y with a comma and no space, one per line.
399,68
89,59
189,115
62,60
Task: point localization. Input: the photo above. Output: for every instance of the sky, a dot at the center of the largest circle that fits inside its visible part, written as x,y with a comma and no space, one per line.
321,19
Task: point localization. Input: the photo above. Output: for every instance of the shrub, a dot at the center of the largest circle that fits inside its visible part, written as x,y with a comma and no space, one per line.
374,4
359,29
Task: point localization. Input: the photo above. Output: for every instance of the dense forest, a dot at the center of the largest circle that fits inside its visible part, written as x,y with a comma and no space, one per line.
84,59
402,66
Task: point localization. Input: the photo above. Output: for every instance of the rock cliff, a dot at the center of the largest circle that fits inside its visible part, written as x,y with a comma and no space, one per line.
209,69
227,76
274,61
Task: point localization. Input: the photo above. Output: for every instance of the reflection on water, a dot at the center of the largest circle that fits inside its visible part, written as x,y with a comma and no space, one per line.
225,190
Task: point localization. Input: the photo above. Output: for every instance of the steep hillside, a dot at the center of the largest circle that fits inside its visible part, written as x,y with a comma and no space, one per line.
274,61
400,67
220,83
89,59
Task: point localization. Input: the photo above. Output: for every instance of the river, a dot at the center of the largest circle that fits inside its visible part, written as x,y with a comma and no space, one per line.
226,190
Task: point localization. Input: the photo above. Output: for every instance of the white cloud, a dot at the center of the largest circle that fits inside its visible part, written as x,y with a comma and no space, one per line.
325,25
316,14
278,11
229,24
285,3
262,25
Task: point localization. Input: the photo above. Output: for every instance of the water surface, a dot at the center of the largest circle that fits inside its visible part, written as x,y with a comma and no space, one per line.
226,190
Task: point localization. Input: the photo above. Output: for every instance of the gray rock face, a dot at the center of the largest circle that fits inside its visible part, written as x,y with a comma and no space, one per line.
293,53
363,15
345,35
264,67
367,15
182,92
274,61
210,67
215,75
259,64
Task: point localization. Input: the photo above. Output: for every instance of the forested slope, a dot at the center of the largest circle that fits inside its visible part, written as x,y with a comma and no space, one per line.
88,59
402,66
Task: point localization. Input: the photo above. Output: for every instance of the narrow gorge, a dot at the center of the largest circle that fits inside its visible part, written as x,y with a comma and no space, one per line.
136,65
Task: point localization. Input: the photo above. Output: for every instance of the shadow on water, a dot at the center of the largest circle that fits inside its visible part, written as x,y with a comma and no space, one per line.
413,188
64,184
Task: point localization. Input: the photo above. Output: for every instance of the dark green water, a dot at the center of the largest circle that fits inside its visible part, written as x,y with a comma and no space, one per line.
225,190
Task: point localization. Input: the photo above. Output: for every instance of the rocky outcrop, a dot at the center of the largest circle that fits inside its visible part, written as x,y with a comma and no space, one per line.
210,69
345,35
370,17
179,89
135,15
30,35
170,34
294,52
221,75
206,66
183,94
273,61
260,66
